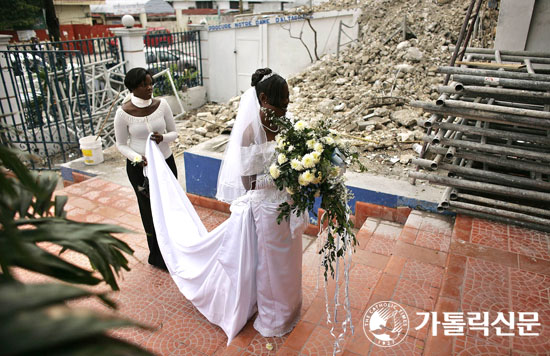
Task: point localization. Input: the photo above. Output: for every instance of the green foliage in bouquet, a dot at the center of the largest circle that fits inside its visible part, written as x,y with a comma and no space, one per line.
311,160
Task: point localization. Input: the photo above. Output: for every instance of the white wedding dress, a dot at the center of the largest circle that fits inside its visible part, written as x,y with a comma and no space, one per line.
247,263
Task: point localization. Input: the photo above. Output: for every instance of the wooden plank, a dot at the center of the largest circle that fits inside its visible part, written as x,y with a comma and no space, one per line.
511,66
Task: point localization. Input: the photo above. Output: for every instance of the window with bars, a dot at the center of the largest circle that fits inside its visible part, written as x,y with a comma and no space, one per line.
204,4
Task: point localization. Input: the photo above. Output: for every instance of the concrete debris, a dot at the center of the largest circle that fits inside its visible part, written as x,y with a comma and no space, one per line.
366,90
405,117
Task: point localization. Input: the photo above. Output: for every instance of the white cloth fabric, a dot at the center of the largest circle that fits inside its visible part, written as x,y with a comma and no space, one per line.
247,151
247,262
131,132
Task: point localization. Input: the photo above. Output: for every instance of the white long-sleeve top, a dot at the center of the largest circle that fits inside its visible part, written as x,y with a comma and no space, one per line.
131,132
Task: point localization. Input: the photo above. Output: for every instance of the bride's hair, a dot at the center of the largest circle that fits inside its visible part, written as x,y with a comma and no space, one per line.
269,83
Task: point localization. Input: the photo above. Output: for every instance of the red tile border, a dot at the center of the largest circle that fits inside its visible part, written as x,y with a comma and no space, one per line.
386,286
80,177
370,259
468,249
534,265
395,265
421,254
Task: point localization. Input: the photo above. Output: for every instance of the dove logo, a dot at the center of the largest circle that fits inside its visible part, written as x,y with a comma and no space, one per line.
386,324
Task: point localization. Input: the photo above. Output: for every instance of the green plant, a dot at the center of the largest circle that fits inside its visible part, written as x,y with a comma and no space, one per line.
181,81
34,318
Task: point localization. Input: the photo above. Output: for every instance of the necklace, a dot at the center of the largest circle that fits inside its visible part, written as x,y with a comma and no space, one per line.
270,130
139,102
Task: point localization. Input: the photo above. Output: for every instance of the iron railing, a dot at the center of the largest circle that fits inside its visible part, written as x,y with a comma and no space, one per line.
108,49
180,52
44,104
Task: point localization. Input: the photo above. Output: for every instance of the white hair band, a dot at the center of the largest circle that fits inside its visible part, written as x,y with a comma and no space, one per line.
267,76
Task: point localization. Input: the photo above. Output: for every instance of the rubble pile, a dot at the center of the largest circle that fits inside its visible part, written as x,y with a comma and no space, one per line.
366,90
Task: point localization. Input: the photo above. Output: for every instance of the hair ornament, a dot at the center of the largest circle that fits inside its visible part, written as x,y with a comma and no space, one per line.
267,76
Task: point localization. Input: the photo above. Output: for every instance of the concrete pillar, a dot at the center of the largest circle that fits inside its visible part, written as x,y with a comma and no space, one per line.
179,20
143,19
7,92
132,46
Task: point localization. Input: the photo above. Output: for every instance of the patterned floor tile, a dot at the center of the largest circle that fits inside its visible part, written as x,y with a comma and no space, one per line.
536,284
410,346
207,338
530,242
258,345
433,240
320,343
380,245
527,302
388,230
437,224
416,294
471,346
490,234
362,280
423,272
161,344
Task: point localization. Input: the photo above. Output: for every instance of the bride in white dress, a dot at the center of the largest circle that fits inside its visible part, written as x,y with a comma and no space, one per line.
249,263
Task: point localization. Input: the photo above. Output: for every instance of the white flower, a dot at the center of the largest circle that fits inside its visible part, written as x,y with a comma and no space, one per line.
281,158
278,138
318,147
289,190
290,148
311,143
335,172
281,144
274,171
300,125
296,164
308,176
305,178
308,161
316,156
137,159
328,140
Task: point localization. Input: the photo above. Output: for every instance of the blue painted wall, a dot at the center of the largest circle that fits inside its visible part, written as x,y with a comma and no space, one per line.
201,177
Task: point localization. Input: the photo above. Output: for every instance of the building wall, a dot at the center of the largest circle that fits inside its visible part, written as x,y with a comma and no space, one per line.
73,14
231,55
523,25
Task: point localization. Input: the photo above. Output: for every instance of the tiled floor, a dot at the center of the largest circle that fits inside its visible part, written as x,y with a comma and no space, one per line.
426,265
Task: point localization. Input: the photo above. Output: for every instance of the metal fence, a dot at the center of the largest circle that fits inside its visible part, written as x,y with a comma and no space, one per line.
179,52
104,49
45,104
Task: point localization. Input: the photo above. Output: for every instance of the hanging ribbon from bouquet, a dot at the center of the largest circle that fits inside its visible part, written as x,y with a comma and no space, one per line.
346,239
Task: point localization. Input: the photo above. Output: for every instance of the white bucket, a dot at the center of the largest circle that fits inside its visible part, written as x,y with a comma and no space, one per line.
92,149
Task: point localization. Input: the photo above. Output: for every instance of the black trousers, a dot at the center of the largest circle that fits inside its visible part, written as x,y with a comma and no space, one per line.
135,175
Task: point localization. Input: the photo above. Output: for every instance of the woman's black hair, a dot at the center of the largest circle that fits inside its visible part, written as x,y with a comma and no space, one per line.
135,77
272,87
